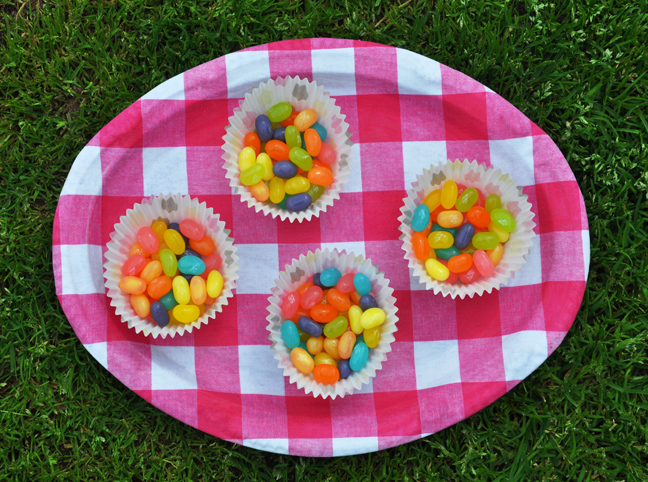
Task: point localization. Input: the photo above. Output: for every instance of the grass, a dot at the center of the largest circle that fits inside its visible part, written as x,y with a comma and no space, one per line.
578,69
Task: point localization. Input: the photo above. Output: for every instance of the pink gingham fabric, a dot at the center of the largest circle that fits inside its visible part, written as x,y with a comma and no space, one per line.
451,358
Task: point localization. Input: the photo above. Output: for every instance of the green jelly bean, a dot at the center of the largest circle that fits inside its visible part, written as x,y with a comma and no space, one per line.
438,227
282,204
493,202
485,241
446,253
503,219
293,139
169,262
169,301
336,327
279,112
300,158
303,336
467,200
315,191
252,175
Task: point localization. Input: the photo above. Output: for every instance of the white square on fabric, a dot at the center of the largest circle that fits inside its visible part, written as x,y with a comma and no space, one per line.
421,155
515,157
276,445
354,445
531,272
85,174
259,371
417,75
357,247
173,368
99,351
165,170
245,71
354,181
415,282
335,70
171,89
523,351
437,363
586,252
258,268
81,269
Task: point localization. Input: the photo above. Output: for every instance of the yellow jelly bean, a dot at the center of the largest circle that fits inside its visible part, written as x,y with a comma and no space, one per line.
132,285
324,358
449,194
266,162
355,313
315,345
346,344
305,119
436,270
141,305
174,241
440,240
450,219
372,317
181,291
186,313
158,228
372,337
296,185
277,190
302,360
197,290
247,158
214,283
496,254
260,191
331,347
501,234
433,200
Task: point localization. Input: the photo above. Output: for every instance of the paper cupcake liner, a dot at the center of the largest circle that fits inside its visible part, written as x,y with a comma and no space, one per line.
296,274
489,181
301,94
171,208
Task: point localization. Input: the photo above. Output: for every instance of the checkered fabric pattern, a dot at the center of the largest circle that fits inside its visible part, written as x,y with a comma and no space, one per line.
451,358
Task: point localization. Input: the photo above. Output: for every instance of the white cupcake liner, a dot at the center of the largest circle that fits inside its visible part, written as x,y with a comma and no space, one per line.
295,275
171,208
301,94
489,181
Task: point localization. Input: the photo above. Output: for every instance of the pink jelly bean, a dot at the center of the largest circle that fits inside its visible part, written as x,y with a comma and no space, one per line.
192,229
311,297
327,154
290,305
481,200
483,263
345,283
469,276
148,240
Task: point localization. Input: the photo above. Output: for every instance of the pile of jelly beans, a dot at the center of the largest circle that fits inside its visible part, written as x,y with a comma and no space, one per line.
460,235
286,161
331,323
172,272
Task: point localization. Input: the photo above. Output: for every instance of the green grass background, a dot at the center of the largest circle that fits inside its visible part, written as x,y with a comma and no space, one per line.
576,68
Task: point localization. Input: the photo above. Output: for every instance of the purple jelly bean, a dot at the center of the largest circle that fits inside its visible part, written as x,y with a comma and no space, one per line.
368,301
285,169
263,128
299,202
309,326
344,368
159,313
190,252
464,236
279,134
317,281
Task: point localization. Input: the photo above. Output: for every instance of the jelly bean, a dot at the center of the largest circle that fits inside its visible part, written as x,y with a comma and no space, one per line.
186,313
335,328
280,112
247,158
355,313
277,189
285,169
493,201
279,134
298,202
438,227
214,283
367,302
339,301
168,301
309,326
191,265
134,265
209,300
315,345
311,297
137,249
132,285
320,130
450,219
470,249
293,139
317,281
330,276
289,334
253,141
315,191
296,185
263,128
304,287
151,271
186,276
436,270
345,345
372,317
446,253
277,150
345,284
326,374
460,263
260,191
148,239
501,234
420,218
449,194
372,337
466,200
469,276
305,119
160,286
440,240
323,358
420,246
313,142
289,121
303,337
496,254
159,227
464,235
252,175
362,284
320,176
435,214
500,216
283,204
359,356
290,305
331,347
485,241
189,252
181,291
483,263
323,313
266,162
204,247
327,154
433,200
318,163
478,217
141,305
176,228
169,262
432,254
159,313
344,369
197,290
301,158
174,241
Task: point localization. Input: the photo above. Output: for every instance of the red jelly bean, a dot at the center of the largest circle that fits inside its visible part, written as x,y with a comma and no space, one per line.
212,263
192,229
148,239
291,120
469,276
434,214
311,297
134,265
290,305
345,283
327,154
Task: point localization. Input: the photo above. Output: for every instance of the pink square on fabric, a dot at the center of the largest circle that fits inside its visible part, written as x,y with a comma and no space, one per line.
206,81
390,403
322,447
382,166
561,300
434,317
180,404
555,217
405,326
297,44
554,339
130,363
295,233
308,418
365,44
330,43
399,371
264,416
112,208
387,255
90,308
511,384
536,131
204,166
381,211
378,118
481,360
441,407
349,109
360,409
145,394
251,227
454,82
472,150
221,331
217,368
95,140
256,48
226,420
376,70
288,252
343,220
125,130
204,122
479,395
521,309
251,314
296,63
478,317
555,248
465,117
122,172
505,121
415,107
163,123
81,216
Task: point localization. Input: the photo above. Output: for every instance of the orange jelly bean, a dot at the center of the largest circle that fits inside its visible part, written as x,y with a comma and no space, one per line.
450,219
355,298
313,142
460,263
318,163
291,120
327,374
420,246
305,119
323,313
137,249
302,289
320,176
331,347
151,271
205,246
198,290
346,344
337,300
141,305
159,287
253,141
478,216
300,312
132,285
277,150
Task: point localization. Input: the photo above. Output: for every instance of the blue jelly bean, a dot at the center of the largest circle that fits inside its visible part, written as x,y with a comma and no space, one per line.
446,253
359,339
159,313
263,128
299,202
438,227
289,334
190,252
285,169
309,326
362,284
279,134
169,301
464,235
421,218
330,277
320,130
359,356
191,265
344,369
317,281
367,301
